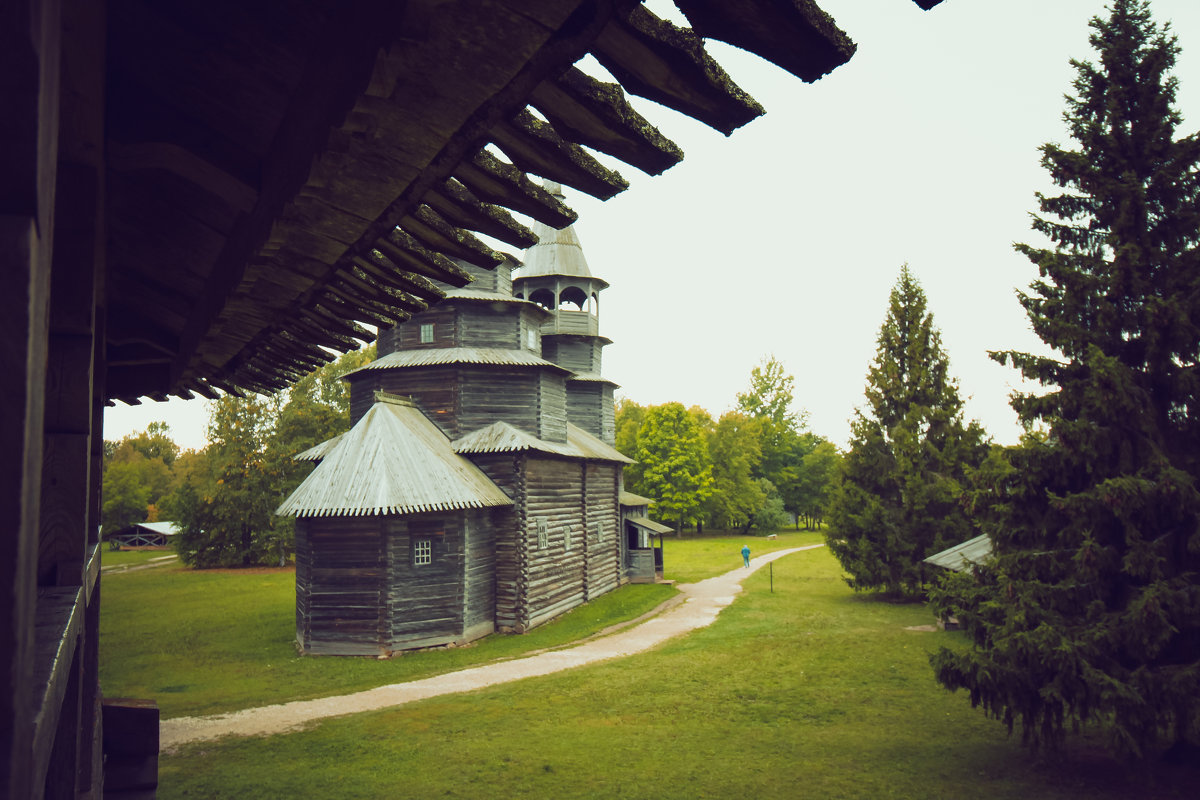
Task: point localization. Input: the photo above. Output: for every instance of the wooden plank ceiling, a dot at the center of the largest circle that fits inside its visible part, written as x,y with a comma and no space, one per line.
282,174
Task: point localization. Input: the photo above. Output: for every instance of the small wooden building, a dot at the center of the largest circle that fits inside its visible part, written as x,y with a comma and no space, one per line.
644,558
146,534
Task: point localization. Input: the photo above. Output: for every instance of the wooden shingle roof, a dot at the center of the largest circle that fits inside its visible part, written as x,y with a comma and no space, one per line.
492,356
277,182
501,437
393,461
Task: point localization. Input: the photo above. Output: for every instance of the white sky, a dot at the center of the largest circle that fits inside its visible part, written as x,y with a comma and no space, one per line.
787,237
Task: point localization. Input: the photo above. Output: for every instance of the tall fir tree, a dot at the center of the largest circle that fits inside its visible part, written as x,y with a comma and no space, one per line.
899,495
1090,607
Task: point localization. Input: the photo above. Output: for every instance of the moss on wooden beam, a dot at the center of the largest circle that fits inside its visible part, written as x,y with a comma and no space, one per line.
461,208
536,147
428,227
795,34
655,59
597,115
505,185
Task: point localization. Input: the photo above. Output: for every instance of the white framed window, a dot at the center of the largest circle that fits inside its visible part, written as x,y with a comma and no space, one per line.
426,332
531,338
543,533
422,552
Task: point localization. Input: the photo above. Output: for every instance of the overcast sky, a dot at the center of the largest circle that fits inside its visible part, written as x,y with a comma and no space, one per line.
787,237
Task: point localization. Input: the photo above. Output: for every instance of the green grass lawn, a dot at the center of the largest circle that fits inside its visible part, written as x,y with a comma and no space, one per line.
209,641
113,558
809,691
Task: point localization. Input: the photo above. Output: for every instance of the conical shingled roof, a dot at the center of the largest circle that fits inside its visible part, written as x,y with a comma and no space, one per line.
393,461
557,252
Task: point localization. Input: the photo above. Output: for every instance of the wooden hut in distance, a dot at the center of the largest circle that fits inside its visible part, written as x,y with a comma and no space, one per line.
478,489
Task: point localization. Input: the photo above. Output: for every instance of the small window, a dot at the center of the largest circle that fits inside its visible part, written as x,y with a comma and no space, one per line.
600,530
567,535
422,552
543,533
426,332
531,338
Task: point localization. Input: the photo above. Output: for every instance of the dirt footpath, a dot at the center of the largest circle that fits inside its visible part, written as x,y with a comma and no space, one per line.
700,604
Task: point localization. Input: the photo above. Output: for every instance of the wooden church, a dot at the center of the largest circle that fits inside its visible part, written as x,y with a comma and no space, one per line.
478,489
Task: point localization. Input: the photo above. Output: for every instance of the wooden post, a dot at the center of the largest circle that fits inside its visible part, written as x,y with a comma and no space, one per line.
29,94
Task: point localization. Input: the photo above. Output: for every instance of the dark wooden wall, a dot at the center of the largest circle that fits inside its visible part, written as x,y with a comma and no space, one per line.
507,470
485,325
603,517
552,408
359,593
340,569
576,353
408,336
461,398
52,328
574,496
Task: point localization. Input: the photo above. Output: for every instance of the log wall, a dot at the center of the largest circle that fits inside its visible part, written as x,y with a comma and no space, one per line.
492,394
603,522
506,470
426,603
552,408
340,570
555,574
487,326
407,336
576,353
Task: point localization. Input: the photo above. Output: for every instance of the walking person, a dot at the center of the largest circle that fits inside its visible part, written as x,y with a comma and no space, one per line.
746,554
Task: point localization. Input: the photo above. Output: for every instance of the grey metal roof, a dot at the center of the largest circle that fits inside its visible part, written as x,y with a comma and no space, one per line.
649,524
500,437
393,461
631,499
318,451
593,448
165,528
459,355
557,252
961,556
485,296
592,377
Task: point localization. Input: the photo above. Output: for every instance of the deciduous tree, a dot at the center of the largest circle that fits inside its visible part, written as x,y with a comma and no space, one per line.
677,470
1090,609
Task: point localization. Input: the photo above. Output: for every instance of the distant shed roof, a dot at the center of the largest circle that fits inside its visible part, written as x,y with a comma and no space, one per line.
961,556
501,437
393,461
165,528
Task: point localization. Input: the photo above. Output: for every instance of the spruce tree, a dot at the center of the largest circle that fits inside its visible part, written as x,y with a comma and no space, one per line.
1090,608
899,497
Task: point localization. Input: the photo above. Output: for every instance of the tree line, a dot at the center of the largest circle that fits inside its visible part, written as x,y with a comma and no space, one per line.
1087,610
747,470
223,497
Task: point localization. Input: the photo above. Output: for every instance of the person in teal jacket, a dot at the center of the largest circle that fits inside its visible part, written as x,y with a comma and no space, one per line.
746,554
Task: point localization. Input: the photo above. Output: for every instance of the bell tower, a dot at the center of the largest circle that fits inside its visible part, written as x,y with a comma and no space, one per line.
555,275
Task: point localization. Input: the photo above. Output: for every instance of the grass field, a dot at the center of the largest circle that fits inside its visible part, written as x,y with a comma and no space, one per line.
116,558
806,692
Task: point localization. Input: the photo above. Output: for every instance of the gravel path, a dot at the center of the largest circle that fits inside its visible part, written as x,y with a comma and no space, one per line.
699,605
